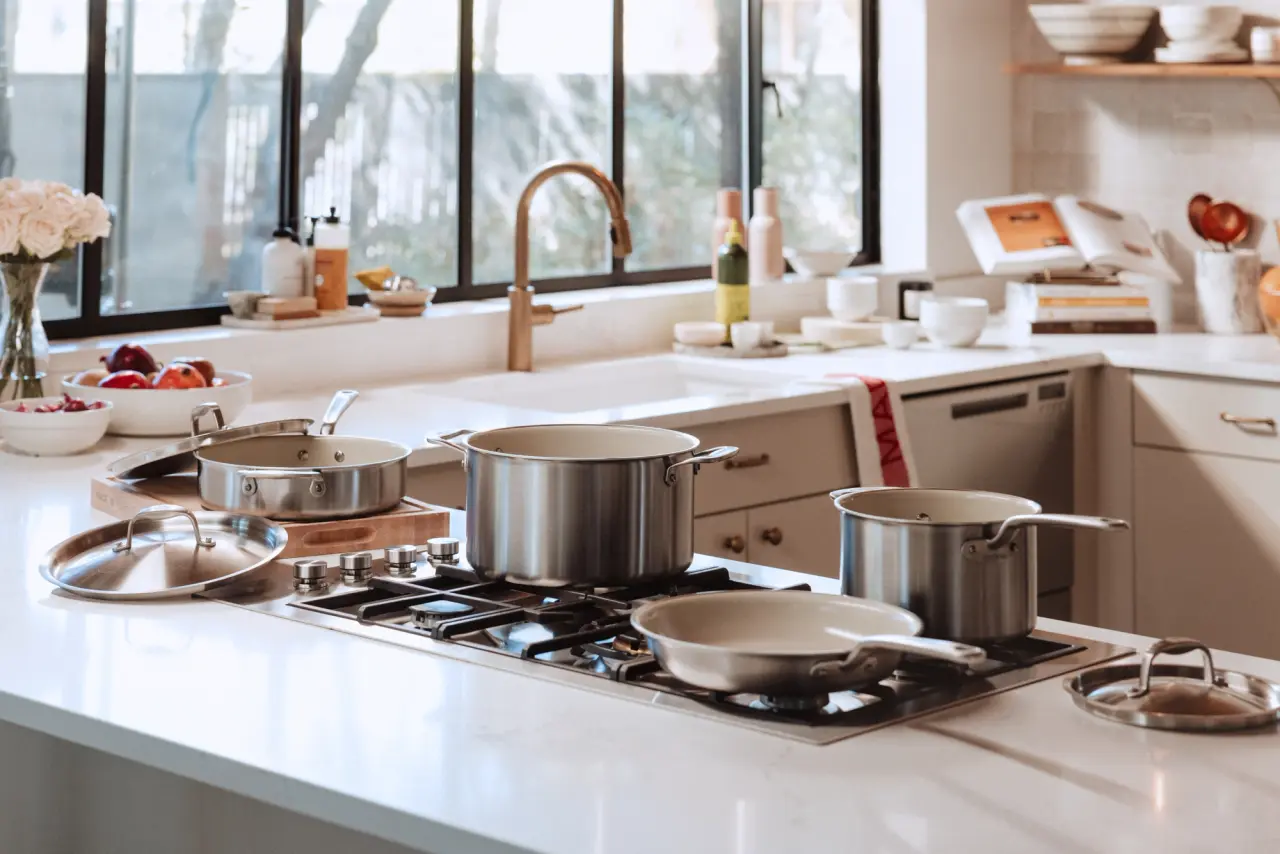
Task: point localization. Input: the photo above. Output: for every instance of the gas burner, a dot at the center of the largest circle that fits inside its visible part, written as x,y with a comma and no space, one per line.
517,638
814,703
428,615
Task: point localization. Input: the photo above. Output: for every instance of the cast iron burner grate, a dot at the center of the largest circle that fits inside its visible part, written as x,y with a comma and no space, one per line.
589,631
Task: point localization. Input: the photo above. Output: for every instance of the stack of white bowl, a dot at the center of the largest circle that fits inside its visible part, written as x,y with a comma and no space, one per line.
1089,34
1201,34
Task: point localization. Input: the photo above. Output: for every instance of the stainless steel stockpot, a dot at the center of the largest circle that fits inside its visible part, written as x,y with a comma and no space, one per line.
597,505
965,561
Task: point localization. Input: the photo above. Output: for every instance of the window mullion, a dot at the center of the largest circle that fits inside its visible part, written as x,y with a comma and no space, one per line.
291,118
466,133
95,136
753,99
619,119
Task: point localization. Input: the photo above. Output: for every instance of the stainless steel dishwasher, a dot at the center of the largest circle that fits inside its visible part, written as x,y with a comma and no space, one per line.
1013,437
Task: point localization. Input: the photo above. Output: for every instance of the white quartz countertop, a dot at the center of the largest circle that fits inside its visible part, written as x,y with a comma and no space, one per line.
452,756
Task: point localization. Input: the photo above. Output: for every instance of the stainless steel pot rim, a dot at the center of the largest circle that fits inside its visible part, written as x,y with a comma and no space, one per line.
651,608
840,496
691,441
325,467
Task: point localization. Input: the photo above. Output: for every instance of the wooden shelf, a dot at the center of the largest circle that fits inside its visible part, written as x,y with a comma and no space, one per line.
1148,69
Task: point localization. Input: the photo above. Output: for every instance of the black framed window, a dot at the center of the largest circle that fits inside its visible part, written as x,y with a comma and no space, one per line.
204,123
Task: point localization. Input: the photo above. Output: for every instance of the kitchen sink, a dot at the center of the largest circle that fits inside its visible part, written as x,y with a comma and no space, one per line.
675,382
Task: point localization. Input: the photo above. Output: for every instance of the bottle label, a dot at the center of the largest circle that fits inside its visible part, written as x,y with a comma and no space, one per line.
733,304
331,279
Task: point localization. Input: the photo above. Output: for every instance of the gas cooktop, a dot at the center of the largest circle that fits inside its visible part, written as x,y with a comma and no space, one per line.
584,638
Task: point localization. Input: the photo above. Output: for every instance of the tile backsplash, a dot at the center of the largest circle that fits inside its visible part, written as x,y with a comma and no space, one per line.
1150,144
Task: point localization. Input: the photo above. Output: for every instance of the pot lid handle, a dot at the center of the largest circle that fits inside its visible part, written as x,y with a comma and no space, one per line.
341,402
1171,646
206,409
162,511
1009,528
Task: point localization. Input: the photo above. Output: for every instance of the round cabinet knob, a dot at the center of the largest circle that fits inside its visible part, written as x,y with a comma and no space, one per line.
735,544
443,549
772,536
310,575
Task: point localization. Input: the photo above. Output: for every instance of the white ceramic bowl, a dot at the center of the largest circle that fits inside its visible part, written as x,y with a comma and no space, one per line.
1087,34
953,321
852,297
900,334
818,263
1201,24
165,411
52,434
699,333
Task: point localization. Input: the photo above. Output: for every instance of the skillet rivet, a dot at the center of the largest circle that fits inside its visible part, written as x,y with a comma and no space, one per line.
339,456
970,549
1013,547
302,456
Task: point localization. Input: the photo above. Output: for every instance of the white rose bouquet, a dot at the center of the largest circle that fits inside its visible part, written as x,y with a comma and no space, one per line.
40,222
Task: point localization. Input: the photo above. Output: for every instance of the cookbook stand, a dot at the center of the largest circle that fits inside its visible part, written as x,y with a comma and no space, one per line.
413,522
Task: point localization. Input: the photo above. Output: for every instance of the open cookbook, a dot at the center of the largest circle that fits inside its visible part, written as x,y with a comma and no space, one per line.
1032,233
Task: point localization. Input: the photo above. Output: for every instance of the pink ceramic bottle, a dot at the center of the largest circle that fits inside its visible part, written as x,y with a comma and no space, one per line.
765,233
728,208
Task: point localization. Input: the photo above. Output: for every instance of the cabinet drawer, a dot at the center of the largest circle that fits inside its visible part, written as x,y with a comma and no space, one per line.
722,535
801,535
1194,415
781,456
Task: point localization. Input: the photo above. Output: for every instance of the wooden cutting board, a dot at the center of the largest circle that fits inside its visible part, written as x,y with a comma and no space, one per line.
412,522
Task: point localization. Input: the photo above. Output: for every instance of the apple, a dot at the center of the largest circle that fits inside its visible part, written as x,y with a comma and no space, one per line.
123,379
90,378
179,375
130,357
201,364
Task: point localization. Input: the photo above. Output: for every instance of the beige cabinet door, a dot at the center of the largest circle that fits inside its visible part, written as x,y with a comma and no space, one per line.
1207,541
801,535
722,535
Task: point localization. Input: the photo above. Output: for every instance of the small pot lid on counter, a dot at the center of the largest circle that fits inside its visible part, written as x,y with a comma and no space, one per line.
1174,696
164,551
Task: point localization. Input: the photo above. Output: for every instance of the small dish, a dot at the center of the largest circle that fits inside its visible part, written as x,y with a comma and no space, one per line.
836,334
816,264
51,434
953,321
1199,24
402,302
746,335
243,303
900,334
699,333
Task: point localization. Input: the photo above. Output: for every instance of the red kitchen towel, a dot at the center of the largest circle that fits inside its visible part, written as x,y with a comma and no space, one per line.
879,435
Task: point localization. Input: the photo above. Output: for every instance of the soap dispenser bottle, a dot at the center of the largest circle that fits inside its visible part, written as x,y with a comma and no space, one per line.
333,249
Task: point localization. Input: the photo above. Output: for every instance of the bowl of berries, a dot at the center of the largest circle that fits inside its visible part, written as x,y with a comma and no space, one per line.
153,398
53,426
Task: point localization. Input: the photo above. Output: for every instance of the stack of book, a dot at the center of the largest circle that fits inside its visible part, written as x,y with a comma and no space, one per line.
1055,309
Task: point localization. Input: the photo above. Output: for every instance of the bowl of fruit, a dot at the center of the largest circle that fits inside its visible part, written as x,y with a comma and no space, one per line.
53,426
151,398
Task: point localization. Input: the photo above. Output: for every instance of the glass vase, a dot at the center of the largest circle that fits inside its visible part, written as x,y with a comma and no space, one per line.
24,360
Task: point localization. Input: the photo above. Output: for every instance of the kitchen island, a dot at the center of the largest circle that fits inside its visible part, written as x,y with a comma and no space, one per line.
194,726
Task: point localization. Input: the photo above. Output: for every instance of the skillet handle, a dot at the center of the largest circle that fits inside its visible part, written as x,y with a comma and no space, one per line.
963,654
1010,526
341,402
718,454
249,478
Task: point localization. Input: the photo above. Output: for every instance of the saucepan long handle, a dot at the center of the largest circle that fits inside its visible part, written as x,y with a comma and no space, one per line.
963,654
1004,535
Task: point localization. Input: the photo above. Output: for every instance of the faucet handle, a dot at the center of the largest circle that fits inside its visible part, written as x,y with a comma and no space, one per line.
544,314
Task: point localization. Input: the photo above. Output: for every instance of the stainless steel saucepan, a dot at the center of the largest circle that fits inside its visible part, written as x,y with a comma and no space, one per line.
786,643
964,560
305,477
580,504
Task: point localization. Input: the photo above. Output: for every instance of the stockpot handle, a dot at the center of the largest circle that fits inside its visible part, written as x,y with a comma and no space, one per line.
963,654
201,411
444,439
1172,646
341,402
852,490
718,454
1009,528
162,511
250,477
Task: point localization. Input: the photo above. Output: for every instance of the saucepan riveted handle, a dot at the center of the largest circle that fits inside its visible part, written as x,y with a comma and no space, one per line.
1171,646
718,454
341,402
957,653
1011,525
249,478
162,511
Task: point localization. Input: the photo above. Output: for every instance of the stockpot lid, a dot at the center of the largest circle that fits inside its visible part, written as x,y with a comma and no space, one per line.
931,506
162,552
582,442
1176,697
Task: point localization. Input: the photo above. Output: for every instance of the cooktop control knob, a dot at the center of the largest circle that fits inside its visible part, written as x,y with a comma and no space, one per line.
310,575
356,567
443,549
401,560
